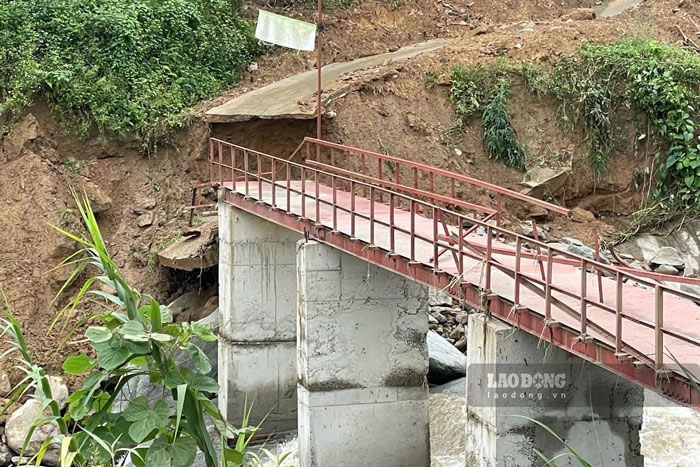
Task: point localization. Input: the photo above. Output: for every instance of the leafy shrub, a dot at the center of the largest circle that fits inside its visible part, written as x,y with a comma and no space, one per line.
124,67
487,89
657,80
133,336
499,134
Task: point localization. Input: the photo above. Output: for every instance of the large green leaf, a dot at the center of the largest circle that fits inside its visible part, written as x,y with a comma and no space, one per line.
203,332
78,364
134,331
111,358
183,451
202,382
149,420
199,358
97,334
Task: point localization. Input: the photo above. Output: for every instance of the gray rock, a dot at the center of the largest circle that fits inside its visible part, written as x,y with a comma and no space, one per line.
586,252
445,362
461,344
542,231
571,241
457,386
17,428
666,269
443,309
5,455
432,319
146,220
5,384
147,206
667,256
438,317
438,298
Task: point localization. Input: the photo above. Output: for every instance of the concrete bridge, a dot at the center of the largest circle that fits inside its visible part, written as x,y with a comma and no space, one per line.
325,263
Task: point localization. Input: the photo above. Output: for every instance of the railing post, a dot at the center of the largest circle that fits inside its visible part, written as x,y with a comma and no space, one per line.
381,179
246,164
335,201
584,305
392,242
303,193
436,258
233,169
489,251
371,215
618,313
352,208
274,188
518,256
289,187
415,177
598,272
460,245
548,287
413,229
221,155
318,197
211,159
260,190
658,327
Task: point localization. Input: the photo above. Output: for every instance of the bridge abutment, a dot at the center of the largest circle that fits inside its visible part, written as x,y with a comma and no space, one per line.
362,363
257,301
512,374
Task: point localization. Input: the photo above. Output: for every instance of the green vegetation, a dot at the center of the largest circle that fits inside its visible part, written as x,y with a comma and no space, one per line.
133,336
487,89
658,82
152,257
499,134
125,68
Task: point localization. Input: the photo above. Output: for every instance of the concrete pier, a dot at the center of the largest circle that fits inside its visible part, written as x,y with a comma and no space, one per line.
257,300
511,375
362,362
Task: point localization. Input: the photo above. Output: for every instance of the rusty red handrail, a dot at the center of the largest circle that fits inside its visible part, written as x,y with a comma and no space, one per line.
431,173
250,172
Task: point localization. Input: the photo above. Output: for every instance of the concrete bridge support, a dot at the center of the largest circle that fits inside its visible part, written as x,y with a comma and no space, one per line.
598,414
257,300
362,363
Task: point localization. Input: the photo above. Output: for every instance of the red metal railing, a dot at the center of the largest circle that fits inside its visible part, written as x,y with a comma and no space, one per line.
324,197
419,180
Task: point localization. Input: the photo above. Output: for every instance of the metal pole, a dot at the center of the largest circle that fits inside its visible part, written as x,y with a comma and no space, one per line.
319,58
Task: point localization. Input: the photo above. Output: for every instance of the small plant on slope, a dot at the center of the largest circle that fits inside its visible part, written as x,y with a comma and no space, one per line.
136,336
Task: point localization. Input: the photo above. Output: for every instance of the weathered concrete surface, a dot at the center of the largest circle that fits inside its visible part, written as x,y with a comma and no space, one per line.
362,362
497,435
257,302
294,97
193,252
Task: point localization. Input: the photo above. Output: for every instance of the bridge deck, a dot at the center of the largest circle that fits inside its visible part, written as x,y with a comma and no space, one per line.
402,215
681,315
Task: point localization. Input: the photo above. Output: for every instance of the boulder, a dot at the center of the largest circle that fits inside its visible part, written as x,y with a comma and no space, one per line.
437,297
542,230
582,215
667,256
17,428
5,455
666,269
457,386
445,362
576,246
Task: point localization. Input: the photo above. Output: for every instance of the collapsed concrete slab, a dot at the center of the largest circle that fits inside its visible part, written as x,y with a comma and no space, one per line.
294,97
199,251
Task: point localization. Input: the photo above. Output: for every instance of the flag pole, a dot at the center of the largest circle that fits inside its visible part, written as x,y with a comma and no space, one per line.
318,65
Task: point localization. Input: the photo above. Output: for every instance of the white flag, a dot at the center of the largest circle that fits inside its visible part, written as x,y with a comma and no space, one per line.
287,32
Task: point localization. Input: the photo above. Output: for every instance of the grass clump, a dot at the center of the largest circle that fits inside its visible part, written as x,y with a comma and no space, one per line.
499,134
487,90
126,68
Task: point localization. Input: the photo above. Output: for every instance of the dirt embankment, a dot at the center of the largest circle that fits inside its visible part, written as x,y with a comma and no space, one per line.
141,199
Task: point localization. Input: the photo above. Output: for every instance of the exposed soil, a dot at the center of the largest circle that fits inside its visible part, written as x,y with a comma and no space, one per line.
397,111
